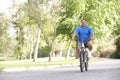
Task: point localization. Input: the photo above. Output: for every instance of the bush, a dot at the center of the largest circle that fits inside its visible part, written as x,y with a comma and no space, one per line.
117,43
116,54
102,53
44,51
102,50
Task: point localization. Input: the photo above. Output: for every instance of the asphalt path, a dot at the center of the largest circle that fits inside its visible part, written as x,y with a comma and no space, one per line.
103,70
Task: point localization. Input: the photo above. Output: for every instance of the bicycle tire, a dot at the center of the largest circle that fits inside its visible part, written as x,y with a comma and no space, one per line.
81,60
86,61
86,66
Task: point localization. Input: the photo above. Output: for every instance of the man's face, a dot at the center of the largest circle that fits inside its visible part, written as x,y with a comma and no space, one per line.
84,23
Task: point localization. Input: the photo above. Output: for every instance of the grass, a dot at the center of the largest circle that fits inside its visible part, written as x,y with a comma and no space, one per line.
30,63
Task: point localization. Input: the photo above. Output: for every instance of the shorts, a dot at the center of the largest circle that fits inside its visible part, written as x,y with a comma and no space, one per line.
85,43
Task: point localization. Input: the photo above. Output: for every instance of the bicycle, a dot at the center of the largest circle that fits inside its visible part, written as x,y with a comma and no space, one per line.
83,58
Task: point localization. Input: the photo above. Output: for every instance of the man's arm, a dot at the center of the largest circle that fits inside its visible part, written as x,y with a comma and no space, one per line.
91,34
92,37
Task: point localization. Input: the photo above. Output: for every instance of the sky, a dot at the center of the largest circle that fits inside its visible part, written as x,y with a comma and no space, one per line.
6,4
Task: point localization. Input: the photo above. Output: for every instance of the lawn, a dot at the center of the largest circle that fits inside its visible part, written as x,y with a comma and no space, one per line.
30,63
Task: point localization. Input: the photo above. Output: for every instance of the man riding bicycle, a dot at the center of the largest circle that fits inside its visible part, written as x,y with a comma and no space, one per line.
86,34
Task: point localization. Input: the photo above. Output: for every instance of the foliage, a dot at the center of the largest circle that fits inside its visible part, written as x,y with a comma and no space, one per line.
25,32
116,54
102,16
6,42
44,51
69,16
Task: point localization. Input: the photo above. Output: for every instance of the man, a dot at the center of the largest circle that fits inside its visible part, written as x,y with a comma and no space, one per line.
86,34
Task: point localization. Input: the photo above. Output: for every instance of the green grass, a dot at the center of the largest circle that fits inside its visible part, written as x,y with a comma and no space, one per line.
29,63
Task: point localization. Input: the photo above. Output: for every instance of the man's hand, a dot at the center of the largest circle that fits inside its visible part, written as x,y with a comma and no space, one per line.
73,37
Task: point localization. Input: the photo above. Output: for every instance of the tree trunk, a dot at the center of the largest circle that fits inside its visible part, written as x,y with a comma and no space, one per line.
20,57
51,49
36,46
30,55
51,45
61,49
68,50
50,55
62,46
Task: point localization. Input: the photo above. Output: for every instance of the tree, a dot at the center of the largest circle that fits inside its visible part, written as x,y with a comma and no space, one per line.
45,19
25,31
70,15
101,15
5,40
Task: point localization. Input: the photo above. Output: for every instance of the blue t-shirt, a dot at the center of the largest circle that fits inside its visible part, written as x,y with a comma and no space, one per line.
84,33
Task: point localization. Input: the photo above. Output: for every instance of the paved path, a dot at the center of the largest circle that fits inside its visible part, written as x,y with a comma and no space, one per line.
104,70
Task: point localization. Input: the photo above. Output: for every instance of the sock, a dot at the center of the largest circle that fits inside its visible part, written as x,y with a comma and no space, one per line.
89,54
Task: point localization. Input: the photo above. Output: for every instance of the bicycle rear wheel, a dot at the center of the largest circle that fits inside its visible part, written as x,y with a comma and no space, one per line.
86,61
86,66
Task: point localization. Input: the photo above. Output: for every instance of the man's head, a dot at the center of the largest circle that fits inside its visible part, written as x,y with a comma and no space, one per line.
83,23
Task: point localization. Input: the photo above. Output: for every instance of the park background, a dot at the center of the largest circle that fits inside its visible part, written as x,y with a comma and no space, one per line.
34,29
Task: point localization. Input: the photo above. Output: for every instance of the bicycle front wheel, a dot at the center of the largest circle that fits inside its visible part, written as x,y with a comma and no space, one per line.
82,61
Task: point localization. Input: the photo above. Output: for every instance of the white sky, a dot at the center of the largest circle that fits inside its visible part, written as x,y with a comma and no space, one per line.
5,5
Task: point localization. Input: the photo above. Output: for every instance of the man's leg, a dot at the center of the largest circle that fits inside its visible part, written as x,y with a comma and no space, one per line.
78,52
78,48
90,47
